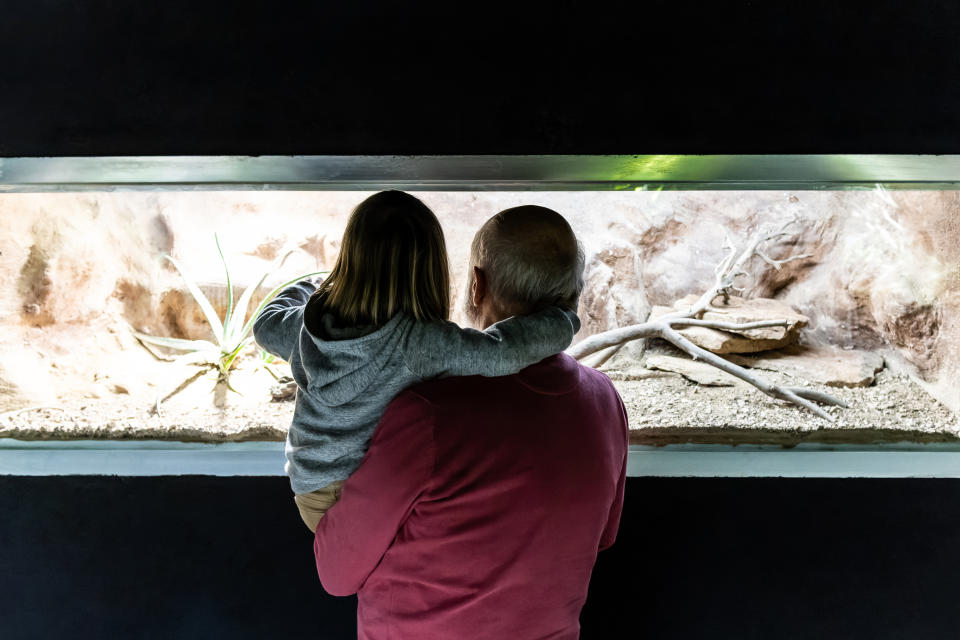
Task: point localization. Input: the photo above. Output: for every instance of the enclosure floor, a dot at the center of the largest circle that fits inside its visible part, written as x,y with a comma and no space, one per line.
663,408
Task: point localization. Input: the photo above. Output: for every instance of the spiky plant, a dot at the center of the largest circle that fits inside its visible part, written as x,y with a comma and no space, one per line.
232,334
266,360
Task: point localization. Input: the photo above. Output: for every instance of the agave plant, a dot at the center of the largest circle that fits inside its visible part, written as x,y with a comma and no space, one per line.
267,359
232,334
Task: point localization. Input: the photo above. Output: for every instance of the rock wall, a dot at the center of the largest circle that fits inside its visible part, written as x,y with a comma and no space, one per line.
885,271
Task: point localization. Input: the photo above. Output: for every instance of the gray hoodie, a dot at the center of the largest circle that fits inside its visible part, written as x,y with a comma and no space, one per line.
347,376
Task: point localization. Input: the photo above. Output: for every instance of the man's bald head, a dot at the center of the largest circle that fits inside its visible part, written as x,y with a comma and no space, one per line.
530,259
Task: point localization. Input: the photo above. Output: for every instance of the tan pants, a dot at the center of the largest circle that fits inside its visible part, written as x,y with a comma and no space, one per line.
315,504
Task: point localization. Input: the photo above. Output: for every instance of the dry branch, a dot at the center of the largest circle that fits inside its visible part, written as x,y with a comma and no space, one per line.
664,327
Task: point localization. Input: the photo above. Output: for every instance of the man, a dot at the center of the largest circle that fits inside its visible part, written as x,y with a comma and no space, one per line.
482,502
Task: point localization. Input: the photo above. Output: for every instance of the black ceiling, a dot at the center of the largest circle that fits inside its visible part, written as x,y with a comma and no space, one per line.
245,77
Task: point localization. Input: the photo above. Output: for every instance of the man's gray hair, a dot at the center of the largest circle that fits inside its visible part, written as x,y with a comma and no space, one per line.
531,259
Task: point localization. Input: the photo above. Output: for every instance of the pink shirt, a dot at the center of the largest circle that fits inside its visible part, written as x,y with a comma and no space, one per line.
480,506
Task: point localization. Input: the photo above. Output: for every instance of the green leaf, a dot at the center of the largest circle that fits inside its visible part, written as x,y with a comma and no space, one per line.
226,318
231,334
177,343
247,327
230,386
236,329
207,357
202,300
227,359
271,372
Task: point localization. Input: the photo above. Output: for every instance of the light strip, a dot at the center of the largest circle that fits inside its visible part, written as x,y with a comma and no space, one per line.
160,458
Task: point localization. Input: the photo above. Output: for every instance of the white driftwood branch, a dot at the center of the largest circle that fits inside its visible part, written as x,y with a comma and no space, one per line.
664,327
776,263
728,326
600,358
673,337
613,338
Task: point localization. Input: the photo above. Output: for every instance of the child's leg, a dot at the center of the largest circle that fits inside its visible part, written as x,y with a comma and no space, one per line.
315,504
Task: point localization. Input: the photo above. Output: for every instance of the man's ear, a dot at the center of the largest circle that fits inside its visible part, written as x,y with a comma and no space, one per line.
479,287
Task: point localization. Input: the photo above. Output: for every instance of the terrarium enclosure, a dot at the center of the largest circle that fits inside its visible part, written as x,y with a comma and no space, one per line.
850,295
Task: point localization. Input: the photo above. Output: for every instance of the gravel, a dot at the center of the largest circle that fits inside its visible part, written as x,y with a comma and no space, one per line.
663,408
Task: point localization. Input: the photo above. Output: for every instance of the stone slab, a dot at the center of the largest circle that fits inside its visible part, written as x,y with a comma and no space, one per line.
827,365
739,310
699,372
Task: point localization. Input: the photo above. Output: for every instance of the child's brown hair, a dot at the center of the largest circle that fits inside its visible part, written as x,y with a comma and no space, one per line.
392,259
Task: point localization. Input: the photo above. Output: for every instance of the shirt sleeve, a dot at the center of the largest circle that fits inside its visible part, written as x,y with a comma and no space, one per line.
609,534
445,349
277,328
377,499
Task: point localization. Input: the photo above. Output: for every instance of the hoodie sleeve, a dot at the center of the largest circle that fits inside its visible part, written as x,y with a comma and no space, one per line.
445,349
277,328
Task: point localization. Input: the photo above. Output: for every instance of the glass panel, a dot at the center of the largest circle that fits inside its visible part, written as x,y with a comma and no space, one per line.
871,314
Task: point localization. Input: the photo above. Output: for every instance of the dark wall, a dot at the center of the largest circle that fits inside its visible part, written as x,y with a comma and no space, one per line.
250,77
205,557
227,557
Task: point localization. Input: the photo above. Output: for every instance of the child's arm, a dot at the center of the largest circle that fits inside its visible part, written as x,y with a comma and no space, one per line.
277,328
445,349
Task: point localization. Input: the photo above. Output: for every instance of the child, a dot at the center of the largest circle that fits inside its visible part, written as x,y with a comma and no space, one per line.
376,325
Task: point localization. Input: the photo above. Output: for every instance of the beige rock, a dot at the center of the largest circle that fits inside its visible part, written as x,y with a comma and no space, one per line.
613,295
11,395
739,310
638,373
684,239
26,380
285,389
626,363
827,365
699,372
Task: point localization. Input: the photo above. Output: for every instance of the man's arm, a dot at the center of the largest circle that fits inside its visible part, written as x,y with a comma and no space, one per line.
377,499
277,328
609,534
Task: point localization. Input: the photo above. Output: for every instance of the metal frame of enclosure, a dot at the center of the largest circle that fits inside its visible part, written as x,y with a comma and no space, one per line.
482,173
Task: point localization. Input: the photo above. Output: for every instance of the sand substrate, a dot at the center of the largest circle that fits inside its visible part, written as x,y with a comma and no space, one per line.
663,408
667,409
